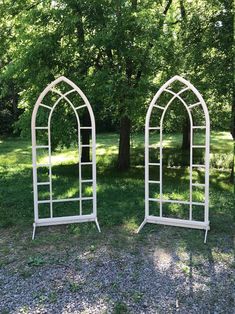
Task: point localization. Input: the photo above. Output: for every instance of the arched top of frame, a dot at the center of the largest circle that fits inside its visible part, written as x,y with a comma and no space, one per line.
178,95
52,88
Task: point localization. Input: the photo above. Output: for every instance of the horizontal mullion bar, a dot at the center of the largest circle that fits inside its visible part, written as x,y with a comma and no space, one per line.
194,105
61,94
198,146
43,165
152,181
154,128
198,184
86,163
72,199
86,145
202,166
173,93
79,107
44,202
169,90
198,127
175,201
48,107
43,183
154,163
65,200
41,127
65,94
160,107
42,146
86,181
86,127
69,92
151,146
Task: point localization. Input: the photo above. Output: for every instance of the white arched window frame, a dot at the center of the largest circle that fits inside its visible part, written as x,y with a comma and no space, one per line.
190,223
64,219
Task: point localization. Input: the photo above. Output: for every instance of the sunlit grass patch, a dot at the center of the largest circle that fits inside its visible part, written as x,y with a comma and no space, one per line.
120,195
131,224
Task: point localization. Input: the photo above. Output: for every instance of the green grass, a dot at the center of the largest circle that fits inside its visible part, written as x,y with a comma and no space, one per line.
120,199
120,195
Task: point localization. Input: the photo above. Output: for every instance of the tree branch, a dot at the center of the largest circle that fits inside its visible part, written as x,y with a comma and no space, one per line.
167,7
183,11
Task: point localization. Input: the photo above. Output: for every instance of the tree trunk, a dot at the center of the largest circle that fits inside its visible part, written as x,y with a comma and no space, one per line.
124,144
186,134
15,98
231,179
85,134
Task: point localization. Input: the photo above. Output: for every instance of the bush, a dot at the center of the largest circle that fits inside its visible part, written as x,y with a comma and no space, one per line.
6,122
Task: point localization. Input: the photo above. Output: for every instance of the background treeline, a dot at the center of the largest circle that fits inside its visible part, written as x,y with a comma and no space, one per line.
119,53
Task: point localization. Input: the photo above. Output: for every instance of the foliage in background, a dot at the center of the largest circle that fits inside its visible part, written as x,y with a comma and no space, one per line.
119,53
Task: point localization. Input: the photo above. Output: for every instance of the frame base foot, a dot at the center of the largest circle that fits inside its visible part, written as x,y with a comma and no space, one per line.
177,223
34,230
62,222
205,238
141,226
97,225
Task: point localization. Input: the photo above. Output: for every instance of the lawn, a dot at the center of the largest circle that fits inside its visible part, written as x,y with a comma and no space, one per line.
116,271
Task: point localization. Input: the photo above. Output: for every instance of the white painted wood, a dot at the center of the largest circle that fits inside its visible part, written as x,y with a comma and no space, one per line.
70,219
165,220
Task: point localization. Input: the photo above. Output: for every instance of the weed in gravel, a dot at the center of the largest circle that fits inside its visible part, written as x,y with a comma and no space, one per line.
120,308
203,271
52,297
196,263
39,294
42,299
137,296
114,286
185,269
5,311
135,276
92,248
36,261
2,264
5,250
24,310
74,287
25,273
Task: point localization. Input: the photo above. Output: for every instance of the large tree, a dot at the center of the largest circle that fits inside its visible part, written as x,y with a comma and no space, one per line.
119,53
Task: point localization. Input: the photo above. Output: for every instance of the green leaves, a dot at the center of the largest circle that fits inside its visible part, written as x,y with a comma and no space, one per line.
118,52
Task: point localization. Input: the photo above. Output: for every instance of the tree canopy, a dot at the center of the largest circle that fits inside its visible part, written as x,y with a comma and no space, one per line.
118,52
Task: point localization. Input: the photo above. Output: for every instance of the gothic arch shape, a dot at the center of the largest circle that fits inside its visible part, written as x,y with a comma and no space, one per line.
190,222
51,88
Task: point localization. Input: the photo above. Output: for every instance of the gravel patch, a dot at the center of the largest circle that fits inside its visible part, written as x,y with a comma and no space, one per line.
150,279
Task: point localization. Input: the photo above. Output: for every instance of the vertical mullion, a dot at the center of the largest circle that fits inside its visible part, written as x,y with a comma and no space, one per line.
93,156
50,170
190,171
35,187
80,169
147,170
207,169
160,175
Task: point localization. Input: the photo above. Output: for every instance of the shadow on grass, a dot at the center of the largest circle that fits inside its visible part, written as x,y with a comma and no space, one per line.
167,268
163,269
120,195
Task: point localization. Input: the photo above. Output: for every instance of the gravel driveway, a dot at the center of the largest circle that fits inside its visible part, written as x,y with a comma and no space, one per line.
143,274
